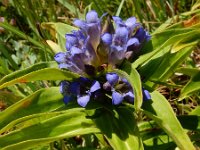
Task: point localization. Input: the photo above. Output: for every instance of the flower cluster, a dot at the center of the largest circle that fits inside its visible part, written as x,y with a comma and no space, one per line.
94,47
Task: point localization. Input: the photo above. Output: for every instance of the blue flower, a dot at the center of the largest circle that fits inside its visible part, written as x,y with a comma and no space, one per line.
83,89
146,95
127,40
84,99
90,50
118,95
92,28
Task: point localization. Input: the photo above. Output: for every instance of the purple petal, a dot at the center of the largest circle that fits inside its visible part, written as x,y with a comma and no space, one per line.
117,48
83,100
75,51
107,86
107,38
133,41
64,66
130,22
92,17
116,55
122,32
84,80
64,87
96,86
80,23
129,96
142,35
60,57
117,98
71,40
146,95
94,35
148,36
118,21
112,78
67,99
126,82
74,88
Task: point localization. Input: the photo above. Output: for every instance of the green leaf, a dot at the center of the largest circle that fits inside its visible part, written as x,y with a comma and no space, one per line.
59,30
162,43
72,8
120,8
71,123
25,36
189,40
196,111
120,128
54,46
188,71
193,84
37,72
9,97
133,78
161,112
19,73
5,51
44,100
190,122
164,66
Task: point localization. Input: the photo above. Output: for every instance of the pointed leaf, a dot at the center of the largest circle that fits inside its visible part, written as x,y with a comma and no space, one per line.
34,74
44,100
73,122
59,30
161,112
192,86
120,129
25,36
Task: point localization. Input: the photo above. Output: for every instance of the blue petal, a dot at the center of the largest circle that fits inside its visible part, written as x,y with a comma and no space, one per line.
74,51
84,80
94,34
83,100
67,99
92,17
129,96
116,55
148,36
107,38
60,57
64,66
125,80
122,32
75,88
107,86
146,95
118,21
71,40
117,48
142,35
64,87
96,86
112,78
133,41
130,22
117,98
80,23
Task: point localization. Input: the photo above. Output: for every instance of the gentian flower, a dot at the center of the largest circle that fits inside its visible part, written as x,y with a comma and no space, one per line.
82,89
90,50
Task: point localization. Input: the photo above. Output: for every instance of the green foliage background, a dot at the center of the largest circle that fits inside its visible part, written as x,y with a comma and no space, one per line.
33,115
